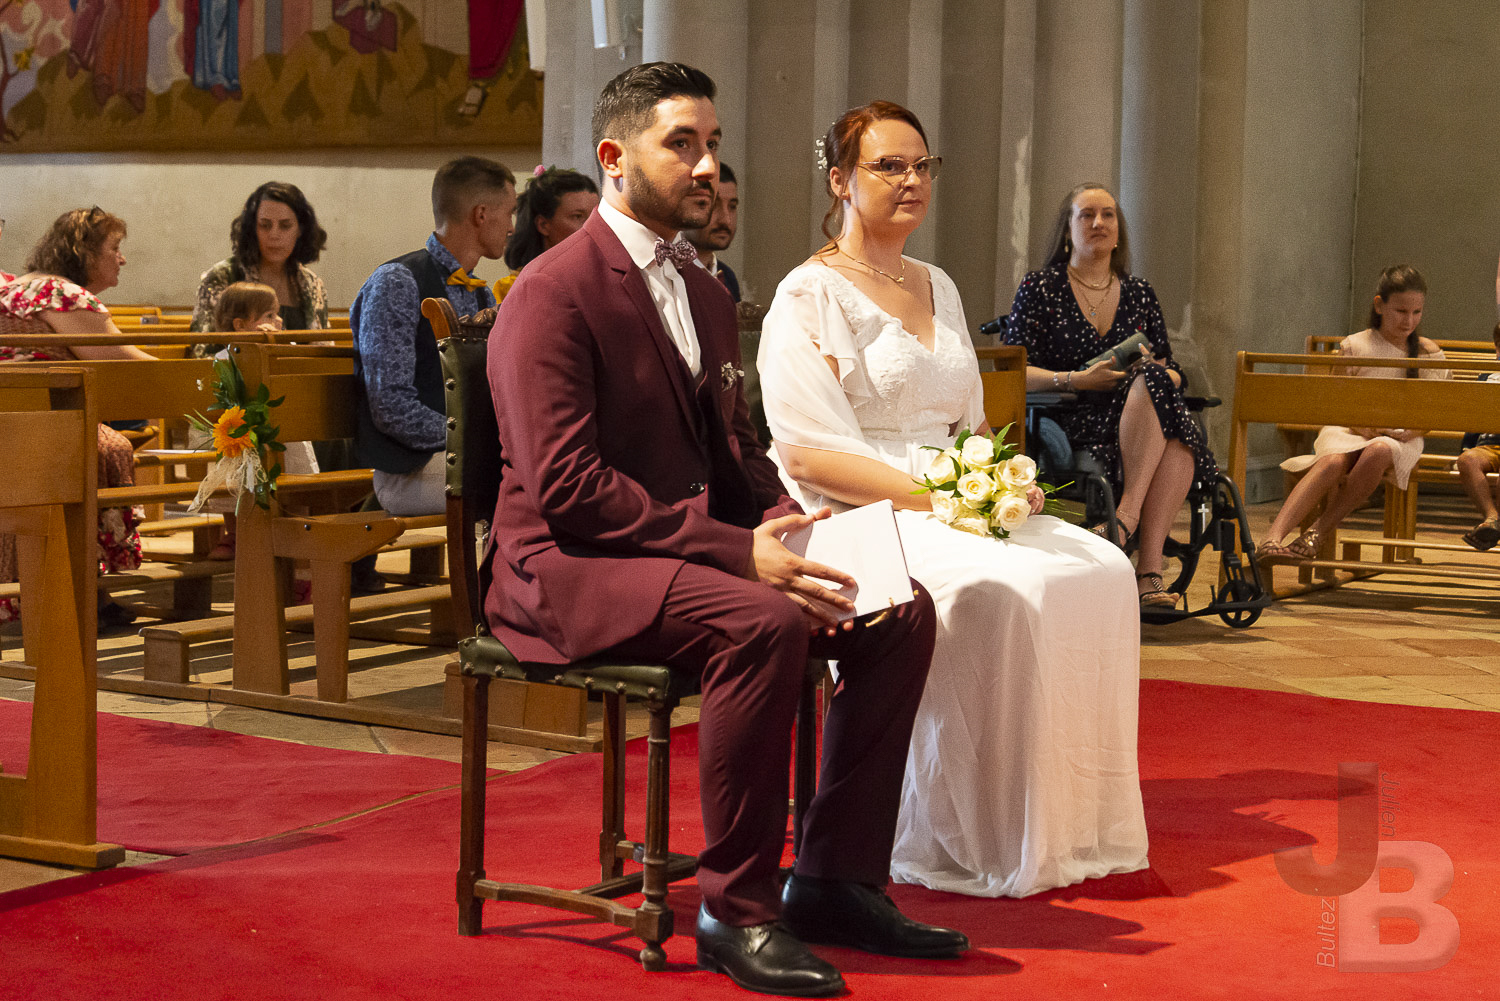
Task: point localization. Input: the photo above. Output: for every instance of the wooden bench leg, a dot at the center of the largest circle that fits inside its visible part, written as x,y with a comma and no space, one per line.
472,797
427,563
330,592
167,659
260,588
193,597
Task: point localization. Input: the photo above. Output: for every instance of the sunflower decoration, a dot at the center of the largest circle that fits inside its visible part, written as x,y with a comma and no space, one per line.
242,438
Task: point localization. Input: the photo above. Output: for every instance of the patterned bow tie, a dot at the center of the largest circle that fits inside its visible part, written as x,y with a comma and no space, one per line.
462,277
679,252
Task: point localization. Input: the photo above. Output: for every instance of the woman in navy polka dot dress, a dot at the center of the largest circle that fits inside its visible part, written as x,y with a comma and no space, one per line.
1134,420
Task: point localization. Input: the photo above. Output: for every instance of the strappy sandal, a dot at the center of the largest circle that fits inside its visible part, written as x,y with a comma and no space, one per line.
1484,535
1269,550
1158,596
1124,538
1305,547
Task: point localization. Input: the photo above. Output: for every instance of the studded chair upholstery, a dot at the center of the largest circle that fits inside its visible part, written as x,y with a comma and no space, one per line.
474,467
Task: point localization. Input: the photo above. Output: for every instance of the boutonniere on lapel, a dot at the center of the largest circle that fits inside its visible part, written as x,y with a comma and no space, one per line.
729,375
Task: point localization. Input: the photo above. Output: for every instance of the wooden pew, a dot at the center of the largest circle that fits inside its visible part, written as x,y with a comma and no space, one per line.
1436,466
47,501
318,386
1273,397
1004,381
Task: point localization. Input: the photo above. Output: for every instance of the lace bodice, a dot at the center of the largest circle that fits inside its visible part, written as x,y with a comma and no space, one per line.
896,387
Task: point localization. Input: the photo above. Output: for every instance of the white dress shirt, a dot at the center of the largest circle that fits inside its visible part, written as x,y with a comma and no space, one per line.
666,286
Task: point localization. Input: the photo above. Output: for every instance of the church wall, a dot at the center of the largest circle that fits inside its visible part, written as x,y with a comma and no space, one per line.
375,204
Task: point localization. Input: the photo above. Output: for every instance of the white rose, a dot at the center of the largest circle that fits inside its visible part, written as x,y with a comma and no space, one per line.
942,469
975,487
1018,473
1010,513
978,450
945,508
969,520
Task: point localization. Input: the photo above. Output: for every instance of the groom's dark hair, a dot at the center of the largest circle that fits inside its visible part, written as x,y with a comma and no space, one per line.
627,105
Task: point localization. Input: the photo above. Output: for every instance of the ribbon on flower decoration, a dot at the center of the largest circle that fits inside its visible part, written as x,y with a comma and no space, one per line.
979,485
239,436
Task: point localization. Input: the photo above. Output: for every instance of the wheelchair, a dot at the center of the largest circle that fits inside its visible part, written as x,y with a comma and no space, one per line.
1218,513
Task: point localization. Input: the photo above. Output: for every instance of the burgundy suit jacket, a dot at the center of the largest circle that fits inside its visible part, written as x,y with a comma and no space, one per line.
610,467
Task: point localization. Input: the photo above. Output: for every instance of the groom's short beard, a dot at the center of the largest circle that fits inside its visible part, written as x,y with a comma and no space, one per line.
649,203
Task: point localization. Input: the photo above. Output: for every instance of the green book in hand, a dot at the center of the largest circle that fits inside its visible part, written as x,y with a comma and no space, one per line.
1125,354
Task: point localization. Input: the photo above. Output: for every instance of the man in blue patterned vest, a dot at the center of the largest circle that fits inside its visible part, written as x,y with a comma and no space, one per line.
401,429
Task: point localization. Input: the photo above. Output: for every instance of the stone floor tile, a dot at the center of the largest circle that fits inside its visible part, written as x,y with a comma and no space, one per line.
426,745
1460,684
1451,646
298,729
1347,647
1152,652
1412,666
1489,665
1484,699
1300,667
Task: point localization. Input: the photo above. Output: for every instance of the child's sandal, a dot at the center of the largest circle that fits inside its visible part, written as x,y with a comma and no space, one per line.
1484,535
1306,546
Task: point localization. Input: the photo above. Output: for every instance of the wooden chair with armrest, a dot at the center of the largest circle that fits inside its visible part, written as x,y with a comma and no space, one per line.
474,470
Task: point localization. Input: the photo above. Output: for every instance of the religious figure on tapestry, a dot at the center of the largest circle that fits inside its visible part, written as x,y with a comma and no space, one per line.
253,74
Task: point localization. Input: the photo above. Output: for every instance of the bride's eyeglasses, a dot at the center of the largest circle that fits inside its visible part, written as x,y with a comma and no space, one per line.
895,168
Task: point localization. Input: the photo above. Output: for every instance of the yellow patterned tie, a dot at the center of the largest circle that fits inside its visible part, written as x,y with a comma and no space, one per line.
462,277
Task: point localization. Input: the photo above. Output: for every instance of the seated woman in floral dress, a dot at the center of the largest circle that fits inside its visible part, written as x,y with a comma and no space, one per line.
78,257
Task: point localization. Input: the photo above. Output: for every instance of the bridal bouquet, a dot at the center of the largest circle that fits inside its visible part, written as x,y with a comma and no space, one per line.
979,485
238,437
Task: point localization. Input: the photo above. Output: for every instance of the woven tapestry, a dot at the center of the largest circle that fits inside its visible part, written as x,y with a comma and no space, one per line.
264,74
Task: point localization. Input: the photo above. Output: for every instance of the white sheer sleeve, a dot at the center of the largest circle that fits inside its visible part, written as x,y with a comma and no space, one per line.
805,403
946,302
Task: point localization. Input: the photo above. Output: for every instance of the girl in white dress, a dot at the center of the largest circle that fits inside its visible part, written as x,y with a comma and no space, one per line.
1022,772
1347,463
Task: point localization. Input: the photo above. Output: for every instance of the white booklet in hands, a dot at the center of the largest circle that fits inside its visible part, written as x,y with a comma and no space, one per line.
864,544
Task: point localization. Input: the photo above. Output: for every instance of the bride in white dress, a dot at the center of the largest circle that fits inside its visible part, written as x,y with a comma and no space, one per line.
1022,773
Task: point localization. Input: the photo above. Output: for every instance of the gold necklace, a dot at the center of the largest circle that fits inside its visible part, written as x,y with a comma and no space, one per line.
1094,306
898,279
1108,279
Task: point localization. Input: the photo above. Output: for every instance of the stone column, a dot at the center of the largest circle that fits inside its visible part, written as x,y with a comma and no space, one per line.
711,35
576,72
1159,145
1079,51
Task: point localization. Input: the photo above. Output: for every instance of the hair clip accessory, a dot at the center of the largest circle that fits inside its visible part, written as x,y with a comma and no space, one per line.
822,147
539,171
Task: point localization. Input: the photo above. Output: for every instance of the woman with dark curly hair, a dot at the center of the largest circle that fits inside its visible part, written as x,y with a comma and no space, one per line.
554,206
76,258
274,238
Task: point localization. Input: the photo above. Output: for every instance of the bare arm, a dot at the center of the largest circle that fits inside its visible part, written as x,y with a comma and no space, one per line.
852,479
1100,377
83,321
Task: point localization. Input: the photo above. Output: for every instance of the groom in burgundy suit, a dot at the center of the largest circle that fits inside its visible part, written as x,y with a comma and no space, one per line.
640,517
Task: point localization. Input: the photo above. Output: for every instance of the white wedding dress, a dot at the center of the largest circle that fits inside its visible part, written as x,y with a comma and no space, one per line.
1022,772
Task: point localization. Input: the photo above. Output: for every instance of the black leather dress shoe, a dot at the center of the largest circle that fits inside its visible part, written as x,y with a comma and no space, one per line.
834,912
764,958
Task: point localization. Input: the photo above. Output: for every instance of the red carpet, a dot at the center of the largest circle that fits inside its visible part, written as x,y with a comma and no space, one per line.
172,789
363,909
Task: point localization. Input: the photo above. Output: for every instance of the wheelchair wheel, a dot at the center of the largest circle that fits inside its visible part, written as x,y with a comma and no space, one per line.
1237,591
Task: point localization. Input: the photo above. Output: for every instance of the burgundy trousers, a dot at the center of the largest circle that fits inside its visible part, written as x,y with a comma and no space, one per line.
750,645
